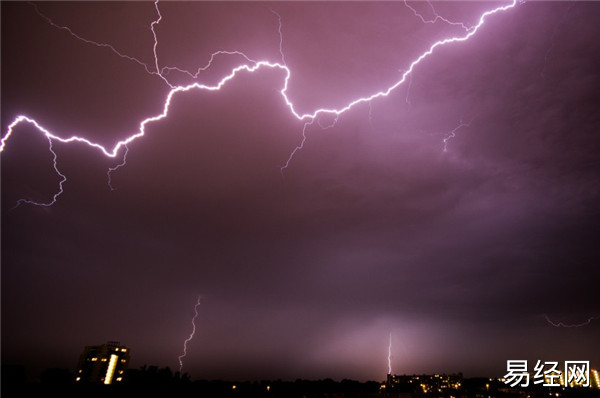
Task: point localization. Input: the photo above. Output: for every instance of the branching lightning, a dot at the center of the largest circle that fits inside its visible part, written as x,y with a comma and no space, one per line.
298,147
452,133
155,69
573,325
193,75
95,43
115,168
154,47
250,66
437,17
191,335
60,184
280,36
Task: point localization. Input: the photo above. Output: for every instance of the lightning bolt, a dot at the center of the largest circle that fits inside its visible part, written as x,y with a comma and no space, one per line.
576,325
167,69
95,43
452,133
155,46
158,71
60,184
115,168
298,147
280,36
437,17
390,356
250,67
180,358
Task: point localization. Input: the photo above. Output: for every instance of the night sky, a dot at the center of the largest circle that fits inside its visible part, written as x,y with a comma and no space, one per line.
464,247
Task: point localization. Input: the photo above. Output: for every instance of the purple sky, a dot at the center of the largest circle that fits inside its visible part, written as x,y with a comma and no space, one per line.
373,228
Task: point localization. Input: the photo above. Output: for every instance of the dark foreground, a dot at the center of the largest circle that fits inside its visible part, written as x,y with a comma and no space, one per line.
162,382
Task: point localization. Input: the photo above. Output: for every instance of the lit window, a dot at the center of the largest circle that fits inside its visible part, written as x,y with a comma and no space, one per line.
111,369
119,378
77,379
94,359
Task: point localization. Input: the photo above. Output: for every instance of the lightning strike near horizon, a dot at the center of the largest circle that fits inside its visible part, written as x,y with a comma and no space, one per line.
574,325
250,67
180,358
390,356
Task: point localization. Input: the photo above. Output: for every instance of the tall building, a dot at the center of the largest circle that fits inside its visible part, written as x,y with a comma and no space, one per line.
104,363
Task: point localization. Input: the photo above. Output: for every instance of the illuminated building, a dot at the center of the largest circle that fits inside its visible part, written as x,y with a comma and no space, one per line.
425,384
593,382
103,364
